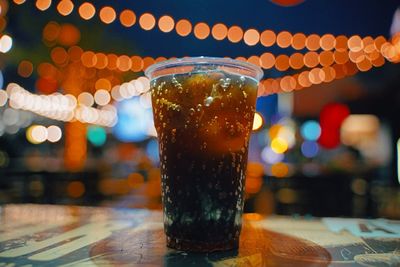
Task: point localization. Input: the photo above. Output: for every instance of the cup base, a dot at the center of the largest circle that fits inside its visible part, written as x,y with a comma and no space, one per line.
199,246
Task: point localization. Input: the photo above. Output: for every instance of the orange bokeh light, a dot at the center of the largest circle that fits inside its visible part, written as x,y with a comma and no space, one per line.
75,189
127,18
219,31
341,43
166,23
147,62
124,63
341,57
288,83
282,62
235,34
46,70
103,83
267,60
160,59
329,74
284,39
75,53
299,41
25,68
368,44
88,59
379,61
268,38
356,56
313,42
19,2
112,61
46,85
201,31
378,42
296,61
137,64
87,10
65,7
311,59
69,35
147,21
303,79
355,43
326,58
51,31
327,42
316,76
102,61
43,4
183,27
280,170
254,60
107,14
59,55
364,65
251,37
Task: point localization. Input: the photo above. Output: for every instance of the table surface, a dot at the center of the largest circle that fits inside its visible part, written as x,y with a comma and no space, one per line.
48,235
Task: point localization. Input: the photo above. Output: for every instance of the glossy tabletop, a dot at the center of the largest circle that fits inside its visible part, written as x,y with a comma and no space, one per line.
46,235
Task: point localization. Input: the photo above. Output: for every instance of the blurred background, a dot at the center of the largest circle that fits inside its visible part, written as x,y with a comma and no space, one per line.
76,128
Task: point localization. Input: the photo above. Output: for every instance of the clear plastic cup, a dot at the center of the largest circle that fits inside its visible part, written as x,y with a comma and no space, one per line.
203,112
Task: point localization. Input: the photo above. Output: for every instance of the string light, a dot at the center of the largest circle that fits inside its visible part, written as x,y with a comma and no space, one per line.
235,34
60,107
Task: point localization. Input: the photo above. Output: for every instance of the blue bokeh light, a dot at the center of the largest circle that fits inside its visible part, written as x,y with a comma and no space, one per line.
152,150
134,121
309,149
310,130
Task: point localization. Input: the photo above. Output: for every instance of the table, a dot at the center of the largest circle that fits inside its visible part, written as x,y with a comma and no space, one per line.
49,235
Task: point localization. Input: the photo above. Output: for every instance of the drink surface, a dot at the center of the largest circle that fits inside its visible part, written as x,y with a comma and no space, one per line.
203,120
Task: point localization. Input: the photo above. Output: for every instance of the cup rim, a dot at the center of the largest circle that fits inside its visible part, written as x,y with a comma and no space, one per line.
204,60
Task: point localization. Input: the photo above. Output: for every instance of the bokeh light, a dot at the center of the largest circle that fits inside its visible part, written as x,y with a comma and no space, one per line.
251,37
201,30
309,149
166,23
271,157
183,27
25,68
85,99
258,121
54,133
235,34
86,10
102,97
65,7
310,130
3,97
280,170
107,14
127,18
147,21
268,38
36,134
42,5
219,31
97,136
6,43
75,189
133,121
284,39
279,145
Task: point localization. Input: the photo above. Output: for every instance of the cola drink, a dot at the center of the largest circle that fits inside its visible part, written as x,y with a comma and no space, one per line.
203,112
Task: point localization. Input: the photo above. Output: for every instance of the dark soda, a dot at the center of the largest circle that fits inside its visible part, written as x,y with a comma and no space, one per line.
203,120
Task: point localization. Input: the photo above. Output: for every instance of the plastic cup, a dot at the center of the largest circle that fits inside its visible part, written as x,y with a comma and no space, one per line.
203,112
